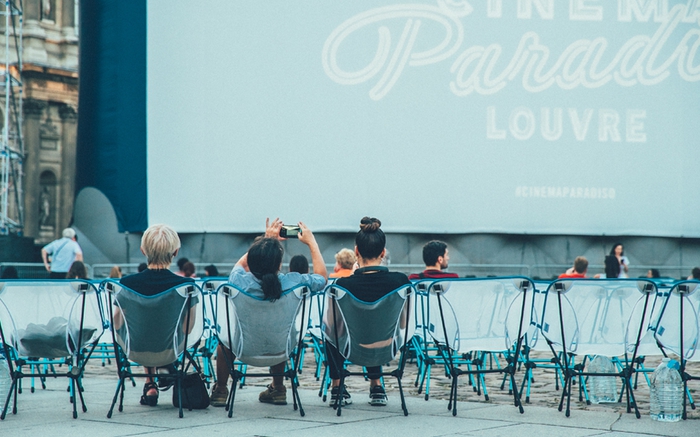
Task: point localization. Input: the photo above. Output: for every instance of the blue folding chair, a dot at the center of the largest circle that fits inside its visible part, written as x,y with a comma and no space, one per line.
48,323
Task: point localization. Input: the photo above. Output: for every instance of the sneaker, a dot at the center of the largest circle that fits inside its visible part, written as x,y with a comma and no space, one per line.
347,400
219,396
274,395
377,396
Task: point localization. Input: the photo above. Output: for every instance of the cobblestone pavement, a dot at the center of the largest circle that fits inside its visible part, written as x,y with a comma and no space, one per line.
543,393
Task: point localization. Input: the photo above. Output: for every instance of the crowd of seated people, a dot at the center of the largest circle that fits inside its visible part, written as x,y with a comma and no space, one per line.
362,272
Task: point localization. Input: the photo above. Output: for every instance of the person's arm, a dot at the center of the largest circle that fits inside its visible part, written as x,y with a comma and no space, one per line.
45,257
243,262
79,256
118,318
307,237
272,230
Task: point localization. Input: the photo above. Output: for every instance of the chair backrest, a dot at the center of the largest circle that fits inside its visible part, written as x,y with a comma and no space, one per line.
486,314
209,288
154,330
260,332
49,319
421,315
678,329
315,312
368,333
598,316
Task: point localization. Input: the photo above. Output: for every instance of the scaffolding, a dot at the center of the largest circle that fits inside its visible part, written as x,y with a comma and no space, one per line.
11,144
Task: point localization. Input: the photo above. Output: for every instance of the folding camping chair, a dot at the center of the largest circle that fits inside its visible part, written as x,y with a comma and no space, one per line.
480,318
154,331
48,322
585,317
262,333
369,334
428,341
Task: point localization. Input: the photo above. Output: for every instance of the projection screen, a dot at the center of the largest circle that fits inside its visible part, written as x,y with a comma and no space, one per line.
528,116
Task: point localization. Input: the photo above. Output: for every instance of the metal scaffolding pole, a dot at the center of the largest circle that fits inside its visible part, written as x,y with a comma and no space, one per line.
11,144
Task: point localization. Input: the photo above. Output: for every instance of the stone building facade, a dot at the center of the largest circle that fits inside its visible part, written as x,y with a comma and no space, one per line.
50,99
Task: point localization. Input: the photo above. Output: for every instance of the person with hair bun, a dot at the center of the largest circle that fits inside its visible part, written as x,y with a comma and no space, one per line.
258,273
369,283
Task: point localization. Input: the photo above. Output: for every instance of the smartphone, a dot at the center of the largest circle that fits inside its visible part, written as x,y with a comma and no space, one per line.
288,231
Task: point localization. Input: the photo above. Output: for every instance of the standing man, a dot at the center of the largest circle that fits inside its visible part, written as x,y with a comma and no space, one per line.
63,253
435,257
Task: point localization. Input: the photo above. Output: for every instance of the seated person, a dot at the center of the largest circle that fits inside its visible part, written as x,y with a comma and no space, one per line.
435,257
694,274
77,271
258,273
211,271
115,272
160,243
188,270
9,272
578,270
369,283
299,264
181,266
344,263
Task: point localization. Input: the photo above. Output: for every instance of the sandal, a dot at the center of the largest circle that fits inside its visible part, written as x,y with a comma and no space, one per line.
147,399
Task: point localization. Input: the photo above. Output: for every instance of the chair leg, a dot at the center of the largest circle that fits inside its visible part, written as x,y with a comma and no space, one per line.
452,404
322,389
120,389
232,395
516,396
6,404
563,394
297,398
339,399
403,400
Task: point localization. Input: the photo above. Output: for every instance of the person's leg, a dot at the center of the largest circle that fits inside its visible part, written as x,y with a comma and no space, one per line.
150,389
219,392
335,363
374,374
275,393
278,380
377,395
223,370
335,367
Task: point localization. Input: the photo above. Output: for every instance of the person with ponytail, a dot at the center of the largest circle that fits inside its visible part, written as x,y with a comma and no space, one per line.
368,283
258,273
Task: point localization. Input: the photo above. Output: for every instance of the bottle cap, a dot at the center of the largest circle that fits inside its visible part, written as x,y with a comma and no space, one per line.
673,364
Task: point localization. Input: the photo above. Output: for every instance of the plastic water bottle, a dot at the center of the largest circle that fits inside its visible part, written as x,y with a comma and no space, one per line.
5,380
602,389
666,396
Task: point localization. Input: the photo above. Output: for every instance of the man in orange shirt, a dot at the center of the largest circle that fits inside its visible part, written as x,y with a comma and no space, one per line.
578,270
